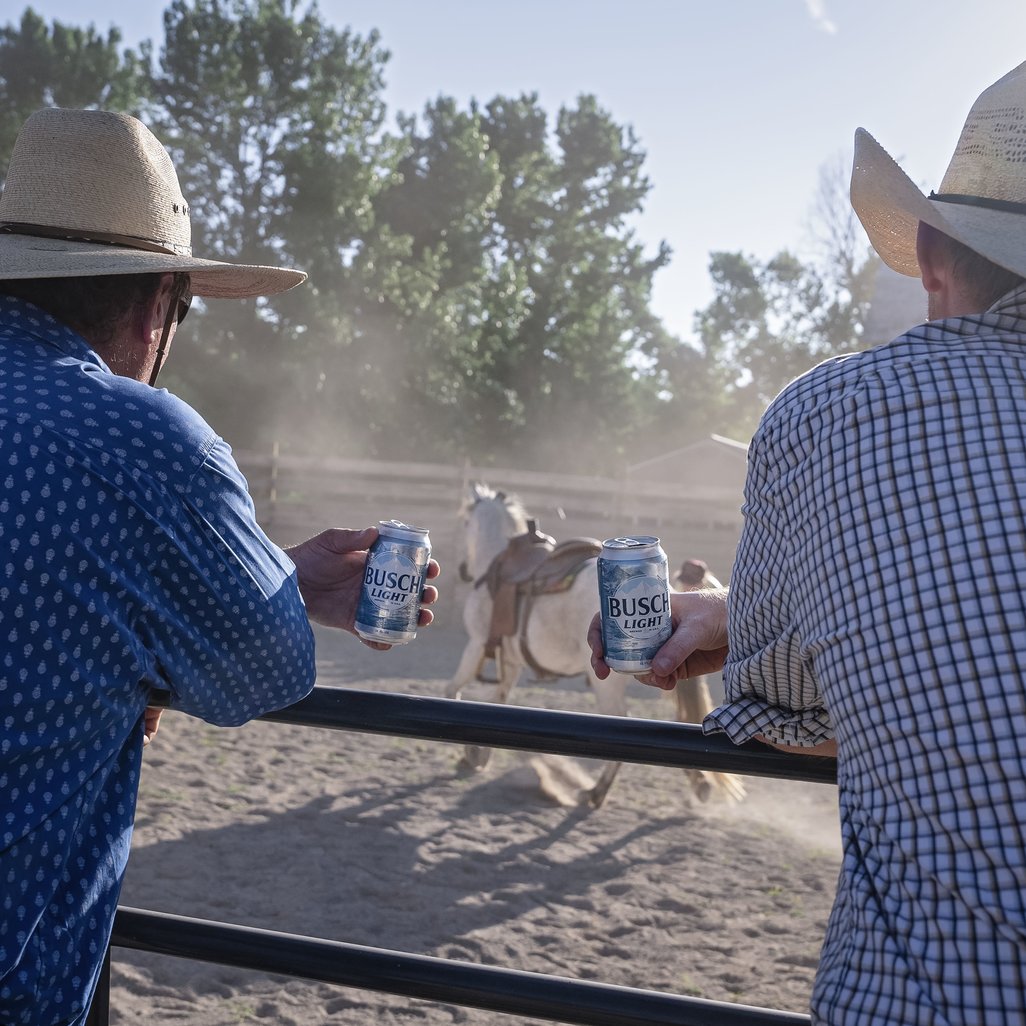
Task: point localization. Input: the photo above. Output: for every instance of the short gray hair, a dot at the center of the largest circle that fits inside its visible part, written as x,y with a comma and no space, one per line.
985,281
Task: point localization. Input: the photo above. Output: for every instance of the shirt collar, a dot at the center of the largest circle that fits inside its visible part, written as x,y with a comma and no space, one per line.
1011,304
20,319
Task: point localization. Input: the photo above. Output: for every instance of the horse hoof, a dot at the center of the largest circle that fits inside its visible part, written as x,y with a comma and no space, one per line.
475,758
594,797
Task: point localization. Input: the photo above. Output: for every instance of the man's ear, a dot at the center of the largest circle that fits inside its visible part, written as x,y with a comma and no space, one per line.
933,263
154,311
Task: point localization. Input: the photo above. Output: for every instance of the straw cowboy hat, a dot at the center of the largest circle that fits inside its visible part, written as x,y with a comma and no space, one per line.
92,192
981,201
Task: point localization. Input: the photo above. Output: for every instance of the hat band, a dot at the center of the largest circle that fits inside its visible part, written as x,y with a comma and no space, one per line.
105,238
1007,206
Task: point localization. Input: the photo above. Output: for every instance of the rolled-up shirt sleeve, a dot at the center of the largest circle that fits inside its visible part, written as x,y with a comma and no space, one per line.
769,687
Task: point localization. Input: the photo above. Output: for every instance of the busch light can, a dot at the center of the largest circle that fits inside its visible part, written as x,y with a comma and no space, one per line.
392,584
634,597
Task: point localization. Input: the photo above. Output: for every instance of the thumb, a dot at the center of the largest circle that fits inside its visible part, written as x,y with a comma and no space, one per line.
672,654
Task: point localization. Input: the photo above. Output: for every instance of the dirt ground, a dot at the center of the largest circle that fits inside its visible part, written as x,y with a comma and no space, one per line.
383,841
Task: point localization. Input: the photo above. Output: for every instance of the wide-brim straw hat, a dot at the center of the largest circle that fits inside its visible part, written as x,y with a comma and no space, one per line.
92,192
981,200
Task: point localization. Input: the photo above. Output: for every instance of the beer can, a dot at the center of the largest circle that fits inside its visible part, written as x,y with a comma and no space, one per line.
393,580
634,597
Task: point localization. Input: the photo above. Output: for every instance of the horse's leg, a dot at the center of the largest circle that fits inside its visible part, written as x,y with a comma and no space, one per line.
470,663
693,703
509,665
611,699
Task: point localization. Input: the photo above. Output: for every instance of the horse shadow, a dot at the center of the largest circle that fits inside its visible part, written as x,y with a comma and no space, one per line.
376,868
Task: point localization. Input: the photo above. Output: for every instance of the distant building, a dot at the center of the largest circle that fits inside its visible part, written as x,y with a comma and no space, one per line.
691,498
711,470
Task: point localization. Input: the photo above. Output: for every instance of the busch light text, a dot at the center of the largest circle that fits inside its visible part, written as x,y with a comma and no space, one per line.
392,584
634,597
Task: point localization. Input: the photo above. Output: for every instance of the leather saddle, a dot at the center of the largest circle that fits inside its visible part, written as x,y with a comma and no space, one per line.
532,564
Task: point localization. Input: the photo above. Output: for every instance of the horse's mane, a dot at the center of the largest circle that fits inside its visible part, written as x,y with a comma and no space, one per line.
481,492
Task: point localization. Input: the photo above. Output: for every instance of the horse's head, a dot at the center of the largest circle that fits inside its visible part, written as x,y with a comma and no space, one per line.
490,518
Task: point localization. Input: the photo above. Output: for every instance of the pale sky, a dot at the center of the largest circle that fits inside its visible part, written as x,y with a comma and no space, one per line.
738,103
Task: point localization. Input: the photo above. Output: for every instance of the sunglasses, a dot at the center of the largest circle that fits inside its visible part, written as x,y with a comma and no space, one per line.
184,302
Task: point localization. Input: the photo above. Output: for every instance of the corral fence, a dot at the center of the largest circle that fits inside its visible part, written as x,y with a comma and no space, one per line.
536,995
297,496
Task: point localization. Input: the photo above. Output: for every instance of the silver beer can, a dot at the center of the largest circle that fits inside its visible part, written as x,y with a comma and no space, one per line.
393,580
634,597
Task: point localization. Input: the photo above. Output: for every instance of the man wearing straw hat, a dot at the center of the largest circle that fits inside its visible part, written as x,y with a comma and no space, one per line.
131,557
877,606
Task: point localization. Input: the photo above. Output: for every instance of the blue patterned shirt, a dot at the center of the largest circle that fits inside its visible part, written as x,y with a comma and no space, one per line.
131,560
879,596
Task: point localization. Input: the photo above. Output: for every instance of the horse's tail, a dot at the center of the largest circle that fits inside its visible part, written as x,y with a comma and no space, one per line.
693,702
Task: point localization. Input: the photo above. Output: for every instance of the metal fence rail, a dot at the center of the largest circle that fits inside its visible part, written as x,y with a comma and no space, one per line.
585,735
434,979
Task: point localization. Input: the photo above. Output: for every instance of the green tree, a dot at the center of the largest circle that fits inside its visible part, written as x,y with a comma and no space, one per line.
506,324
274,119
58,65
770,321
574,362
414,289
475,285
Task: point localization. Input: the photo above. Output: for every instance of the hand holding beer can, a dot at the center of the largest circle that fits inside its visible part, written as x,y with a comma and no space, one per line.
393,580
634,598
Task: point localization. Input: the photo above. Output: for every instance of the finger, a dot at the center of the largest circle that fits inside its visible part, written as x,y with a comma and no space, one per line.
429,595
424,617
673,654
655,681
433,569
599,666
151,722
345,539
378,646
598,663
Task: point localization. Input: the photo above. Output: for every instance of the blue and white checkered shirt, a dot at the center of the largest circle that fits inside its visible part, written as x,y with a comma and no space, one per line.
879,596
130,560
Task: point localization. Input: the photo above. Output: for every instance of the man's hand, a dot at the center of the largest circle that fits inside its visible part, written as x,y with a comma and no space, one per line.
151,723
698,644
330,570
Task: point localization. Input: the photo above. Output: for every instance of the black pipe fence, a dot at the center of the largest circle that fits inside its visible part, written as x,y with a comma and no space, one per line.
586,735
434,979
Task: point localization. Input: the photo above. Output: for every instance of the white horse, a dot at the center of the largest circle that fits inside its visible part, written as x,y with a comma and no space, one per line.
556,636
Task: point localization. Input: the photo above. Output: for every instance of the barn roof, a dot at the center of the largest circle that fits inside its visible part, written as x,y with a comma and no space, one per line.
711,469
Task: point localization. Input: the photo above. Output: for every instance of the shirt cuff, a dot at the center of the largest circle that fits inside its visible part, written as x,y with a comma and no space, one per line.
743,719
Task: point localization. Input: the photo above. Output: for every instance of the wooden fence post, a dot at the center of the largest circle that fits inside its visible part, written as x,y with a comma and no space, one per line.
272,494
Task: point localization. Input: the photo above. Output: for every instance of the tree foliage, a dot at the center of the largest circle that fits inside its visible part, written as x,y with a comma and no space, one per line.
476,287
540,291
473,281
271,116
62,66
771,320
